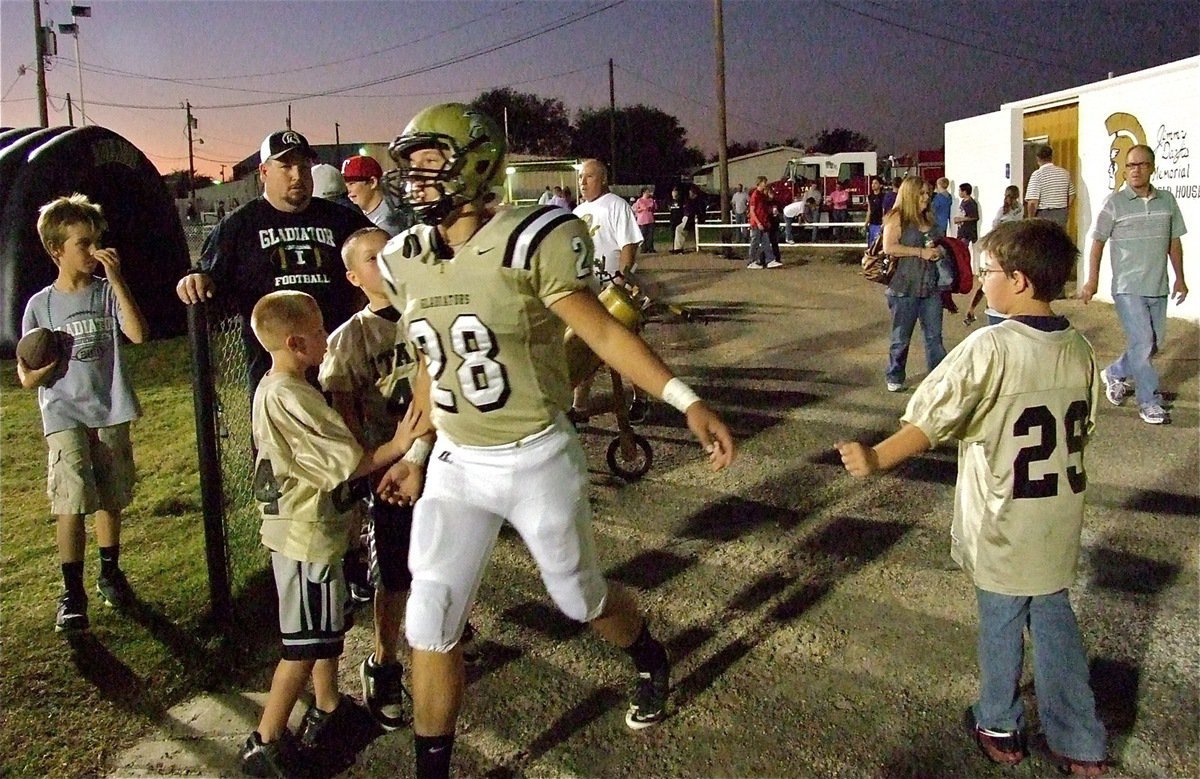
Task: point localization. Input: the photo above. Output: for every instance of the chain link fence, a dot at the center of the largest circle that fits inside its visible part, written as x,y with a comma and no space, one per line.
229,418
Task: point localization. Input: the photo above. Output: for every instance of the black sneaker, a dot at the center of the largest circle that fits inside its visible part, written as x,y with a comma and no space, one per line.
115,591
333,729
578,417
637,409
384,695
72,613
470,647
280,758
649,704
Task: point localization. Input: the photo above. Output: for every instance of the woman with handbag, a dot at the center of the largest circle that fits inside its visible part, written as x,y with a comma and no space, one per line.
908,235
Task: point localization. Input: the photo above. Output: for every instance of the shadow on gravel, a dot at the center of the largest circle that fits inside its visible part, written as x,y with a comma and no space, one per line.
1114,569
545,619
821,560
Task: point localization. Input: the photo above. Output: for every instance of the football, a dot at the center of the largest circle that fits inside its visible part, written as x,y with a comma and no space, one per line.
38,348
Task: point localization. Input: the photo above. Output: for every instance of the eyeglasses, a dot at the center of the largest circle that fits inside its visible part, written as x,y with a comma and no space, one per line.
983,272
1136,165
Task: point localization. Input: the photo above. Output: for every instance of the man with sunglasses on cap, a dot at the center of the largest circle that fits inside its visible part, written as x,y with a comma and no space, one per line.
285,239
364,177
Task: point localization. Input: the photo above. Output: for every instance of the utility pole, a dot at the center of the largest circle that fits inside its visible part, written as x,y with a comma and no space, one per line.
70,111
612,124
40,34
337,140
722,150
191,123
289,116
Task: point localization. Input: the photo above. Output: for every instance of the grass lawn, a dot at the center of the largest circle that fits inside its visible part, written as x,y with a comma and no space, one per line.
68,706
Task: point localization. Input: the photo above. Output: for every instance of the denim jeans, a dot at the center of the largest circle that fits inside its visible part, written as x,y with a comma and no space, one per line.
1060,671
873,231
787,229
1144,320
760,244
647,237
905,313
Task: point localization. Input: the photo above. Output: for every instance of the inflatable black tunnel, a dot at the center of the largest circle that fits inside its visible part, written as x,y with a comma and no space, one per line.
40,164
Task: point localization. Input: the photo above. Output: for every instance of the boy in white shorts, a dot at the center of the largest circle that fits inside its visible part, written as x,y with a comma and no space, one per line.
86,399
306,454
486,298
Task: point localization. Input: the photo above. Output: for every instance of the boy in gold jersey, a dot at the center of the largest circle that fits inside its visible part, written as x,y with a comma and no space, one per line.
1020,397
486,299
305,454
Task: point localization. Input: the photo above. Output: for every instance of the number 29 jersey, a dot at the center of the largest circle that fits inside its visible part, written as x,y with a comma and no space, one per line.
1021,401
481,319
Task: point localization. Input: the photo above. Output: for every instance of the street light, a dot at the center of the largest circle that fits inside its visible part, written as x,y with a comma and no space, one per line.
77,12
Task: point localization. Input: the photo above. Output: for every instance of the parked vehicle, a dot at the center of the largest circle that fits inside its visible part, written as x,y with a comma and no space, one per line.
855,170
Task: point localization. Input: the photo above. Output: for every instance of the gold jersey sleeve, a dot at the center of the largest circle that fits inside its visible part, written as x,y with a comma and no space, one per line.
368,360
1021,402
482,321
305,454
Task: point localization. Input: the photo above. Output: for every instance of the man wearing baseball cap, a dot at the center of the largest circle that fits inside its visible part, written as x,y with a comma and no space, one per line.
285,239
364,180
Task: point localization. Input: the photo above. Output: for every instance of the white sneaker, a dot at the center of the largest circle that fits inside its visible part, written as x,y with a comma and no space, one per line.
755,266
1114,389
774,264
894,386
1154,414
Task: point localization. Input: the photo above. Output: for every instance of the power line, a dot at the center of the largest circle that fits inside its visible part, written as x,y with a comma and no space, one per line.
21,71
700,103
431,93
943,38
522,38
198,81
947,23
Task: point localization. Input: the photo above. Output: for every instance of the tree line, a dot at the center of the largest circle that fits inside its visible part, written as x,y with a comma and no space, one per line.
651,145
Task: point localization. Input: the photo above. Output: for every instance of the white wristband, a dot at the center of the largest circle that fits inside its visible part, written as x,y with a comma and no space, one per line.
679,395
418,453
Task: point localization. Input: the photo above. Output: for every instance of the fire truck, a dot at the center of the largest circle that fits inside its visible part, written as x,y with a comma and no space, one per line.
854,169
929,164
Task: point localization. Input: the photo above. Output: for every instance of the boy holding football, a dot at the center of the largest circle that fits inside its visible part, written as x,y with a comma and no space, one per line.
305,456
86,399
1020,397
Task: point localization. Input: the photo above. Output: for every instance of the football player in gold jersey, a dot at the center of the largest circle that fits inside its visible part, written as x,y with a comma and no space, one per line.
486,298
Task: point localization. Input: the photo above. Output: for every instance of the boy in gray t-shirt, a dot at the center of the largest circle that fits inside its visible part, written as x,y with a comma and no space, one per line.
86,399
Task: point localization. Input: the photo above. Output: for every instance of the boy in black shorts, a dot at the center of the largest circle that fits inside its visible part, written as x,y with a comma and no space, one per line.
305,455
369,377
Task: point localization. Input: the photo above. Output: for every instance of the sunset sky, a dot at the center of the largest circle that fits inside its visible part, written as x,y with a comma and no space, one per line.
896,71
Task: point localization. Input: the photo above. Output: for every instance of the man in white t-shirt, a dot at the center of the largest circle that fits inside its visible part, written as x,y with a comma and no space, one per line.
739,201
616,236
610,220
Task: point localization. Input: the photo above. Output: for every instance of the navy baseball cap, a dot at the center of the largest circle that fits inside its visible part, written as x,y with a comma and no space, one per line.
281,142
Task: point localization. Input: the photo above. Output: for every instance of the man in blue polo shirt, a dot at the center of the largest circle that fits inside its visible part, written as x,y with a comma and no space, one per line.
1144,225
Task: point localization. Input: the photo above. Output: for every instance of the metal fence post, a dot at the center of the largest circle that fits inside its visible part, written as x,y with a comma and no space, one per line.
211,501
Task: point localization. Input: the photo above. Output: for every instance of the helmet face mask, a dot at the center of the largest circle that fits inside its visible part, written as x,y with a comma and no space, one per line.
472,151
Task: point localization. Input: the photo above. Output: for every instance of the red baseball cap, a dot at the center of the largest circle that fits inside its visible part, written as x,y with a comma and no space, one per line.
359,168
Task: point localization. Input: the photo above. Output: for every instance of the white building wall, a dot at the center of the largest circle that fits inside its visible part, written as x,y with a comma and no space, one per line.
1159,107
980,151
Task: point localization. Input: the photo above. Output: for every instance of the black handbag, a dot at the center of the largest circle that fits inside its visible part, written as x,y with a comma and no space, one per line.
876,265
